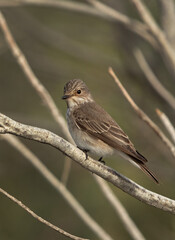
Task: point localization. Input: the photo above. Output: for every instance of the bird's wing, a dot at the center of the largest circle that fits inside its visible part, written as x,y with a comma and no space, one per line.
107,130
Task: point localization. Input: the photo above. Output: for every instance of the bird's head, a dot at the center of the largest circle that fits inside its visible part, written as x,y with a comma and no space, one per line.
76,92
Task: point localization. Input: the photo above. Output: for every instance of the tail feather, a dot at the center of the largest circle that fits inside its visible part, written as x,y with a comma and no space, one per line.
148,172
140,161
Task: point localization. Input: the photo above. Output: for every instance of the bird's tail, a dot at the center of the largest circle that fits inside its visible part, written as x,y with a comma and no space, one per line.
148,172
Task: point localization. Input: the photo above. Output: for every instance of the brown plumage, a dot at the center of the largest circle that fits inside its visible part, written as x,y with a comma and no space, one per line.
93,129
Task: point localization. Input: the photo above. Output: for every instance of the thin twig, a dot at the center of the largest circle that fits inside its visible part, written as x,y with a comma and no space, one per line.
40,219
169,126
120,210
68,5
50,177
67,163
37,85
143,116
8,125
25,67
132,25
159,35
66,171
153,80
168,18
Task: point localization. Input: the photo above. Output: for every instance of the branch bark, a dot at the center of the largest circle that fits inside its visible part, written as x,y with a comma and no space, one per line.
38,86
8,125
120,210
59,187
43,93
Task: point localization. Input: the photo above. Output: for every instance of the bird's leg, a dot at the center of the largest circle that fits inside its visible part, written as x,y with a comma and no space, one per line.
100,160
85,151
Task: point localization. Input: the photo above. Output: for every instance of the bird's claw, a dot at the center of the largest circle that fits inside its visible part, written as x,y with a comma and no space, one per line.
100,160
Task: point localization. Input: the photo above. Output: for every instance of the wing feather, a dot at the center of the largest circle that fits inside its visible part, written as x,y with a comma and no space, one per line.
106,130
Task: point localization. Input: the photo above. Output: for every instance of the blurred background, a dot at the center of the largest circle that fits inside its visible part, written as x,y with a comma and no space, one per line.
61,44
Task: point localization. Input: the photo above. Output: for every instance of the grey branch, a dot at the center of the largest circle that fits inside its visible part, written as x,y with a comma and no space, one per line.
168,19
38,86
149,31
128,223
43,93
98,9
133,25
59,187
168,125
40,219
153,80
8,125
159,35
41,90
143,115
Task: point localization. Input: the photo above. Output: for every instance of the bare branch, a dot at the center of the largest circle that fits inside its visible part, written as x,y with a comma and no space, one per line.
49,176
105,12
153,80
165,46
168,19
120,210
66,171
36,85
41,90
143,116
133,25
69,5
111,14
167,123
40,219
8,125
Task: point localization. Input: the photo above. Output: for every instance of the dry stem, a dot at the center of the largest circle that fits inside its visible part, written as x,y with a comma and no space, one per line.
50,177
40,219
55,113
8,125
153,80
143,116
169,126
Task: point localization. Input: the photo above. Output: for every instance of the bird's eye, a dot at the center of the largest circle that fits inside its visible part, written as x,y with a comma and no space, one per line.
78,91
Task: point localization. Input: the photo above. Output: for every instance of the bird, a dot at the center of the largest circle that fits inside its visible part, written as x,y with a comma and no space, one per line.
94,130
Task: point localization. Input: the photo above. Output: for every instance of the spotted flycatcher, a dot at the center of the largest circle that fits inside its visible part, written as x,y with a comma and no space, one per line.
94,130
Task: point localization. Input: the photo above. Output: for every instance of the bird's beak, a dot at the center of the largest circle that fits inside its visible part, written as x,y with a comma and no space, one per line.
66,97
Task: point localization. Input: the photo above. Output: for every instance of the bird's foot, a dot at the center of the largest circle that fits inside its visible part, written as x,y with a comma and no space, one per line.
85,151
100,160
